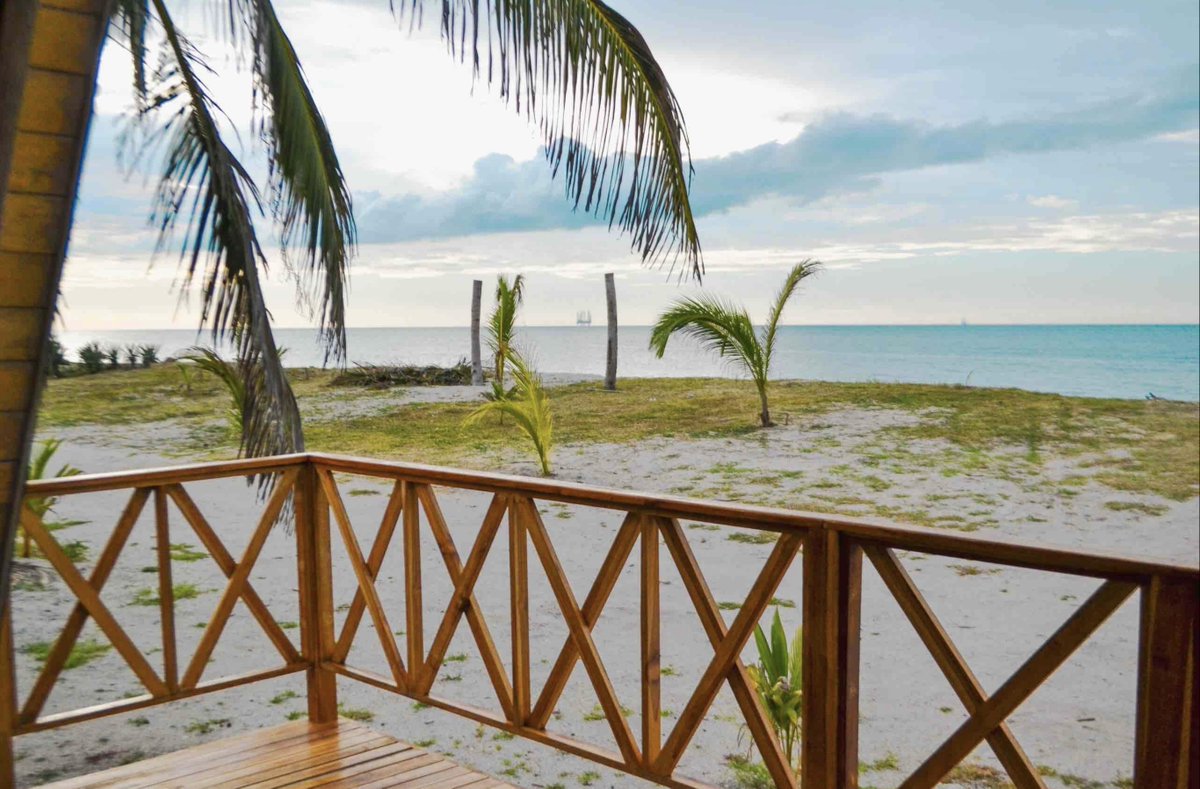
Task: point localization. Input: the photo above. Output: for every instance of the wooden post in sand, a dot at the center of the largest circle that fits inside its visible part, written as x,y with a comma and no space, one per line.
476,356
610,370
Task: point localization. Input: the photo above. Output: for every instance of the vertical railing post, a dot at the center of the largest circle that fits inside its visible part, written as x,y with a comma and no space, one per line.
1167,703
832,604
518,574
651,647
8,696
414,626
315,574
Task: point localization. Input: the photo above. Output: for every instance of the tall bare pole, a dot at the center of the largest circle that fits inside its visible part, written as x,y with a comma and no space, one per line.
610,370
476,355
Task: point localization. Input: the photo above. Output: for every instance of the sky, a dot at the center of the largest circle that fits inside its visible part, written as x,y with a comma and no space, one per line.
1017,162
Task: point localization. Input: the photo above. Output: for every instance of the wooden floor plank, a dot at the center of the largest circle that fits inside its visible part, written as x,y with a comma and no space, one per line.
297,755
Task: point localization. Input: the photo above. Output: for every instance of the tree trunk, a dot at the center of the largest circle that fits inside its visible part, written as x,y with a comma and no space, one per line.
476,354
610,369
765,416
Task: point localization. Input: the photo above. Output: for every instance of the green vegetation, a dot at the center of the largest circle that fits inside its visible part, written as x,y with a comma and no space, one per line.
39,508
748,774
528,405
1153,510
1137,446
355,714
147,596
81,654
778,681
502,324
726,330
207,726
183,552
588,778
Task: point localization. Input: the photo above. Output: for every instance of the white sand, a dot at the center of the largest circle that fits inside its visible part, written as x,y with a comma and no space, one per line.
1081,722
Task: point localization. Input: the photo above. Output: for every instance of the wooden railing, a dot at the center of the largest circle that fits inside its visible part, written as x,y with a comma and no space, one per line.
832,550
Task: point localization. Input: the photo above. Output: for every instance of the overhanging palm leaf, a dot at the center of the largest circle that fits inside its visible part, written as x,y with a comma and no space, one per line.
725,329
203,182
608,116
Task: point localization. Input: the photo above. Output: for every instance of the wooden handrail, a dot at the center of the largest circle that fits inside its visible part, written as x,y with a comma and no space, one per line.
832,549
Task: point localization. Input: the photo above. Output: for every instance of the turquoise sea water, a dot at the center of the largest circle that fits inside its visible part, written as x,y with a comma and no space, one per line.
1094,361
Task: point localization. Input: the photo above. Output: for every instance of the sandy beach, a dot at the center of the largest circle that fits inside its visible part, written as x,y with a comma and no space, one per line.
1079,725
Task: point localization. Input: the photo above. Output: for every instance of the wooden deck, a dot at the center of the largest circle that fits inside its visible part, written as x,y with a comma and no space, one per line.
341,754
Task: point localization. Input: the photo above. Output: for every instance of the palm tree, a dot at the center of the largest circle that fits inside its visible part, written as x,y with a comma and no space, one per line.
502,324
579,70
725,328
529,406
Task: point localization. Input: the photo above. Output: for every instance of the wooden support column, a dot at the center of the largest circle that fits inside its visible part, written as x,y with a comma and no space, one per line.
317,641
832,604
1167,705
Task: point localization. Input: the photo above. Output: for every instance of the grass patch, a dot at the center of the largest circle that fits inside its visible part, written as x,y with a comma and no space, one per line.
355,714
1153,510
148,596
81,654
183,552
287,695
597,713
977,776
748,774
1137,446
207,726
889,762
588,778
753,537
963,570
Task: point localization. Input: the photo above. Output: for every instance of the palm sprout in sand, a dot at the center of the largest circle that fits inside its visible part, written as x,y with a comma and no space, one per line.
726,329
502,324
529,407
580,71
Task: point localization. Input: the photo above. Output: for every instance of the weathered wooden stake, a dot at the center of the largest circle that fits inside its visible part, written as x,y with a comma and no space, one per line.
476,355
610,370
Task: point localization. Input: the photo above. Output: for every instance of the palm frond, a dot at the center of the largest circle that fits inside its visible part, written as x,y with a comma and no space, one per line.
798,273
609,119
718,325
133,17
310,199
529,406
503,321
204,184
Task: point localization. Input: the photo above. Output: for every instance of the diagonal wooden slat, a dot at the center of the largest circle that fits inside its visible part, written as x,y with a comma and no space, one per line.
379,548
79,613
593,605
463,600
237,581
166,590
1024,681
951,662
366,583
727,653
91,600
579,632
220,554
761,730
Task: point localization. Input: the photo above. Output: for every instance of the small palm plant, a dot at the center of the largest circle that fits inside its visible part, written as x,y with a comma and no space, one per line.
227,373
502,324
40,507
91,356
777,679
148,354
528,405
726,329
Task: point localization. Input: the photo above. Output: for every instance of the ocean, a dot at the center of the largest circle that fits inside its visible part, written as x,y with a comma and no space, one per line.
1124,361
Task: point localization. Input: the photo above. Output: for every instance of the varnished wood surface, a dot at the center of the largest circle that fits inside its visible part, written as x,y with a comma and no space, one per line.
338,754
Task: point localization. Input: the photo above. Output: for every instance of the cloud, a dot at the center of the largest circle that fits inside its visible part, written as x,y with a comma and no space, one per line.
1052,201
836,154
